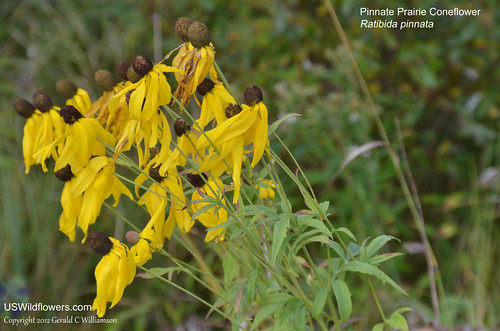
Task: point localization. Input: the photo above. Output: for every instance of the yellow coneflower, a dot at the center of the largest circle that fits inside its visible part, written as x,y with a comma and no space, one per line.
50,131
114,272
217,214
186,142
76,97
144,244
82,140
258,133
156,198
266,188
71,205
215,100
146,123
99,109
33,122
195,58
149,93
95,182
228,139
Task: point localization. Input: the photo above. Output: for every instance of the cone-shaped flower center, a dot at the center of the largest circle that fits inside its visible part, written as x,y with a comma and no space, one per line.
182,26
142,64
105,80
100,243
154,172
70,114
23,107
232,110
253,95
132,75
199,35
205,86
196,179
66,88
181,127
122,68
64,174
42,101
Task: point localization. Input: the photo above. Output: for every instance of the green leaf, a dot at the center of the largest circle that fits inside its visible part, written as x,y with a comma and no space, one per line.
317,224
365,268
378,327
230,269
278,122
343,297
377,244
337,248
398,322
159,272
319,302
263,313
383,257
279,234
347,232
300,319
299,242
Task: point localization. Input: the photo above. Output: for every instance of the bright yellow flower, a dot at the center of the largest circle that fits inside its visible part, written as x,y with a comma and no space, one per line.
48,136
195,58
95,183
83,139
71,205
215,215
149,93
115,121
156,198
215,100
33,122
114,272
266,189
76,97
144,245
228,138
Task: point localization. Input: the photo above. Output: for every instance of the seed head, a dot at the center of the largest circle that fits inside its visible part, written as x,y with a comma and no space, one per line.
64,174
132,75
181,127
42,101
154,172
66,88
253,95
142,64
232,110
23,107
105,80
182,26
199,35
205,86
196,179
70,114
122,68
100,243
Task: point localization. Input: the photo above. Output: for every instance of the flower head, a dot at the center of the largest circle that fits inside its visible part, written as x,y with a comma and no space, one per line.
195,59
114,272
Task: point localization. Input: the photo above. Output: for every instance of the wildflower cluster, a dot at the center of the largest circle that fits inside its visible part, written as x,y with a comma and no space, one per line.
191,176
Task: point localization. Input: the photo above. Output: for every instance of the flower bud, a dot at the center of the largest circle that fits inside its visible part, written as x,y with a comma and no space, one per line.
105,80
182,26
66,88
23,107
199,35
42,102
253,95
100,243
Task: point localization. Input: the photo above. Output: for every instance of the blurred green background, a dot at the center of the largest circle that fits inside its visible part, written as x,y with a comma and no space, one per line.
440,84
